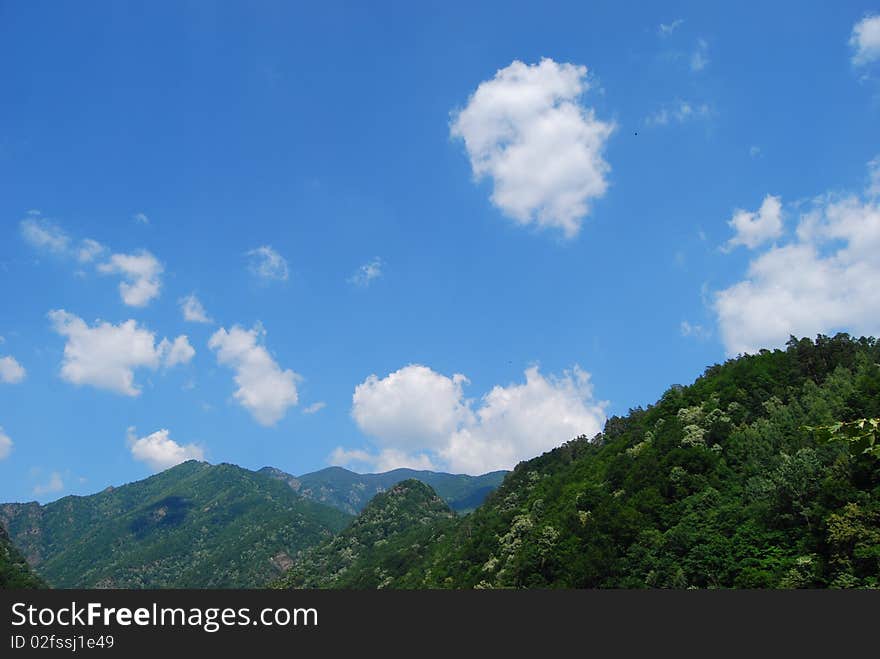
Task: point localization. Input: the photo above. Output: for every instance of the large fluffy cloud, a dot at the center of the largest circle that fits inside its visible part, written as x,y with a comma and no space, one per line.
141,273
159,451
865,40
11,372
5,444
823,279
412,406
420,418
527,130
753,229
106,355
264,389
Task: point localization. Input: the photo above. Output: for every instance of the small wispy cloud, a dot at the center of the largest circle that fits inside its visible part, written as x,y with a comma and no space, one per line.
193,310
665,29
700,56
694,330
754,151
865,40
314,407
11,372
54,484
5,444
46,235
141,218
264,262
367,273
678,112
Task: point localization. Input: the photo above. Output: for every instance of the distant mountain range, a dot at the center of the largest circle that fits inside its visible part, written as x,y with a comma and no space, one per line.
198,525
763,473
350,492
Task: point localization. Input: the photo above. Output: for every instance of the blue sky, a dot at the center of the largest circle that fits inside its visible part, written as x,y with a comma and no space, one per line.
442,235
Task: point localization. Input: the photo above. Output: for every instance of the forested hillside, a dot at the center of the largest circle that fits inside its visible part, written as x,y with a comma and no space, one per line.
720,484
193,526
392,533
14,570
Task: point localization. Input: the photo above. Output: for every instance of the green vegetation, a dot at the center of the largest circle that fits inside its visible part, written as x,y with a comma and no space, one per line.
14,570
720,484
193,526
391,535
350,492
764,473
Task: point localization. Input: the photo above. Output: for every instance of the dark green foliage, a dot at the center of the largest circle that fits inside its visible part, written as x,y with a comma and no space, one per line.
14,570
389,537
718,485
193,526
350,492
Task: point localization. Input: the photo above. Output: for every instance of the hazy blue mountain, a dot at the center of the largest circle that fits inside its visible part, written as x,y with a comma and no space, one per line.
350,491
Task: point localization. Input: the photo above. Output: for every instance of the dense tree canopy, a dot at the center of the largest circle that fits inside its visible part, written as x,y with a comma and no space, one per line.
720,484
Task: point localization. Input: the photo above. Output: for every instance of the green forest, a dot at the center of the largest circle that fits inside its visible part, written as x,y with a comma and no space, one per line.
763,473
744,479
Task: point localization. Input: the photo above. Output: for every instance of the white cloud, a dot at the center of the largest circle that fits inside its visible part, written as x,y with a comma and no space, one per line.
695,330
314,407
105,356
754,151
177,352
141,218
412,405
193,311
367,273
527,130
700,56
679,112
865,40
5,444
89,250
42,233
141,273
263,388
756,228
382,461
266,263
419,416
159,452
823,280
11,372
873,189
55,484
665,29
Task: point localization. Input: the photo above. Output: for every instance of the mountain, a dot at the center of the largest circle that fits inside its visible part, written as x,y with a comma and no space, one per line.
14,570
720,484
350,492
379,542
193,526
